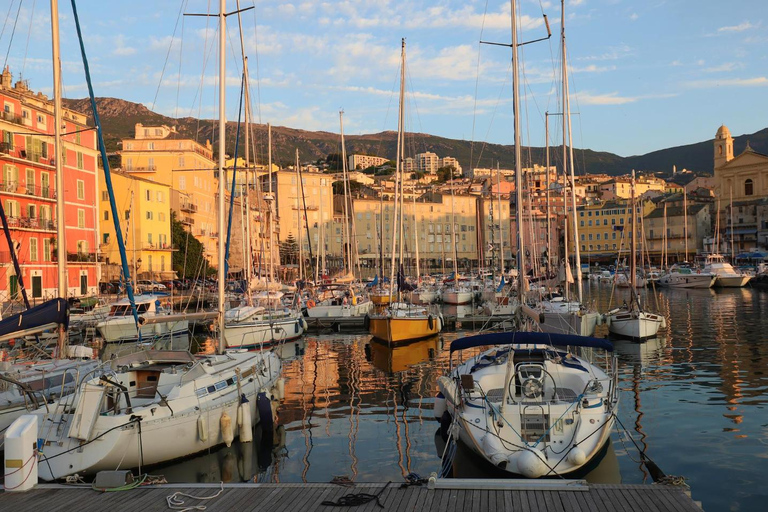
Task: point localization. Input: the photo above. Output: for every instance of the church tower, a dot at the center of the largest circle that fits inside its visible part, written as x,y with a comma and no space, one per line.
723,146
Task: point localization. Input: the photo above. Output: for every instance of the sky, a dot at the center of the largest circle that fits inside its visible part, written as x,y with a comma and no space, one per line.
643,76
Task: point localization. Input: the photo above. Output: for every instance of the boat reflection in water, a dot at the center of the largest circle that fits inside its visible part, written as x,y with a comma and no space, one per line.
256,461
399,358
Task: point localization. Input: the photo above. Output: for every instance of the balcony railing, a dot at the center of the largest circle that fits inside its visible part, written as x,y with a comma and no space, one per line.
158,247
31,223
30,190
188,207
82,256
144,168
188,221
10,116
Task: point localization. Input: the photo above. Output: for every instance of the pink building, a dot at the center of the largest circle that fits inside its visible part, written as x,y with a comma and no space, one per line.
29,196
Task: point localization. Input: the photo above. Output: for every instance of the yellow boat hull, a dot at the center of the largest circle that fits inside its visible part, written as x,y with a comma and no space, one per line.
380,300
402,330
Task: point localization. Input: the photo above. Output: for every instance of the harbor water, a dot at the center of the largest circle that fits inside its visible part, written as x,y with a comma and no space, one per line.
694,400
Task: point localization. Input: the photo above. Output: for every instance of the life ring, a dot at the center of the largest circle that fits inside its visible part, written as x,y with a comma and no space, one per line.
310,304
698,271
367,322
430,322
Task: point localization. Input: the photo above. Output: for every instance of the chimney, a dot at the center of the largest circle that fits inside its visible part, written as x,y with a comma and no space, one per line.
6,78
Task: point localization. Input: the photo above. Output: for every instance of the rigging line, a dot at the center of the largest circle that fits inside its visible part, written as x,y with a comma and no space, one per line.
10,42
29,32
477,85
181,56
493,116
167,55
7,17
199,90
256,51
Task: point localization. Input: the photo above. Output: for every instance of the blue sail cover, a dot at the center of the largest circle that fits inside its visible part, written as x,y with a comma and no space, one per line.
52,311
512,338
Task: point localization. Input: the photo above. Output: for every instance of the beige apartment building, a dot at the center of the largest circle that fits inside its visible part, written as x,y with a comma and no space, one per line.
160,154
360,162
621,188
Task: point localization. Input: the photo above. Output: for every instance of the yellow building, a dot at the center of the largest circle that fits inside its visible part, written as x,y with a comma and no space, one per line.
621,188
145,220
605,228
160,154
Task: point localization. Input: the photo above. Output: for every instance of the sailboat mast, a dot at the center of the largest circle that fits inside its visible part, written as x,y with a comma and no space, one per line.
271,200
398,169
416,237
549,224
685,223
664,249
222,278
345,227
453,235
298,215
501,222
61,246
632,237
246,96
567,113
518,160
733,259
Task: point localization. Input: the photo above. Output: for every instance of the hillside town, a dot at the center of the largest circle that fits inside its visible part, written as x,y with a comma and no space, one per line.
163,176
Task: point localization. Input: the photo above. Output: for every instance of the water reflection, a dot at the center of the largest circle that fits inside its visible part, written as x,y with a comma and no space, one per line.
693,399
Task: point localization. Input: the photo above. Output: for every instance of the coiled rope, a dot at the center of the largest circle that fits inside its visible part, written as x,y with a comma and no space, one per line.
354,500
175,502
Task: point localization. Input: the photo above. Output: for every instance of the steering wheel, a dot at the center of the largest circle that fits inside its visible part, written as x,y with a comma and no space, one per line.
532,387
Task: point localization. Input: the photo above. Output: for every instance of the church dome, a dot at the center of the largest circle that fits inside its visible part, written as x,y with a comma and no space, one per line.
723,132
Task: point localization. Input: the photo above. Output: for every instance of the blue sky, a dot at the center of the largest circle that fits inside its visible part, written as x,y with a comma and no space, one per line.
644,75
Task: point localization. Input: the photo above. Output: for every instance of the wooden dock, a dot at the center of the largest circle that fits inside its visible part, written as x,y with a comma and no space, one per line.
528,496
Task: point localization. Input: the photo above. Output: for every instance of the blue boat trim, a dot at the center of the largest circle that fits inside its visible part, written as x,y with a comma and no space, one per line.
513,338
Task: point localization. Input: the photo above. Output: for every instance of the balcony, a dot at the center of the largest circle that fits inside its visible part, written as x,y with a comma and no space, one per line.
31,223
158,247
188,207
13,187
188,221
10,116
82,256
146,168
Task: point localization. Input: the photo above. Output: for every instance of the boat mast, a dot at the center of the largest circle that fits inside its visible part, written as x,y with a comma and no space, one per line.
664,249
416,237
298,215
685,222
632,236
222,278
733,259
345,234
567,112
453,237
518,161
549,226
398,170
61,246
501,222
270,199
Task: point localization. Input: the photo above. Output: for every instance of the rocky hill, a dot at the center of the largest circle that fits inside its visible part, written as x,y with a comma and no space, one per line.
119,118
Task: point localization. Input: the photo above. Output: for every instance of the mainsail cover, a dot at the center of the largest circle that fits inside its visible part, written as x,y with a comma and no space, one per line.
50,312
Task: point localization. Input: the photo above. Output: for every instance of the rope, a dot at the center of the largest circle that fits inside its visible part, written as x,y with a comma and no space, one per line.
354,500
412,479
126,487
6,475
175,503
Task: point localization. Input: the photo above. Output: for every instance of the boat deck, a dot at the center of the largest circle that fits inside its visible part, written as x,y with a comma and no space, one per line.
472,495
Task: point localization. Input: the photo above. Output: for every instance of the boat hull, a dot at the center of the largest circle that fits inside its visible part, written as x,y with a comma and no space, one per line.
403,330
579,323
635,325
736,281
687,280
457,298
118,330
259,334
349,310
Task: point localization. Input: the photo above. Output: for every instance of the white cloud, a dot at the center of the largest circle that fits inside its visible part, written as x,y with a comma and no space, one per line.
121,48
759,81
634,16
728,66
613,98
737,28
592,69
613,53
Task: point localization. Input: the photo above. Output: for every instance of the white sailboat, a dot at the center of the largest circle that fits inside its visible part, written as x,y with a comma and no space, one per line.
528,405
631,321
154,406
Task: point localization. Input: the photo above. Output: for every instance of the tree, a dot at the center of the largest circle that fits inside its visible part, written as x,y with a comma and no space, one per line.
445,173
289,250
190,257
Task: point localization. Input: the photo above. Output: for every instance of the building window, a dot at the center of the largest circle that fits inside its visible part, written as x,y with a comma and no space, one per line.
182,182
159,196
149,238
80,188
105,196
33,249
149,216
748,188
80,218
106,214
46,249
79,160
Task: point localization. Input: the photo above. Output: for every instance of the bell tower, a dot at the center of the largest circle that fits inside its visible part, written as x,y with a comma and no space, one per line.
723,146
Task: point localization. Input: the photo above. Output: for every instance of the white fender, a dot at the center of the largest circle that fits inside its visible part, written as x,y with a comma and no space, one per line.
202,429
226,429
246,424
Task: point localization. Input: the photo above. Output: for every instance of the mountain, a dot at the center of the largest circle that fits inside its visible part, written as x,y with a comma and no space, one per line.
119,117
